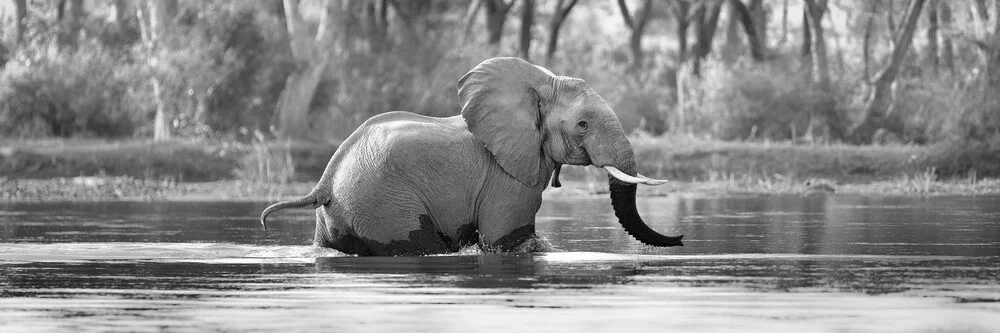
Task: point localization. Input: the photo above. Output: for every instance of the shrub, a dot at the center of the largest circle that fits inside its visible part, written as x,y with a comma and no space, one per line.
764,101
87,92
422,81
224,70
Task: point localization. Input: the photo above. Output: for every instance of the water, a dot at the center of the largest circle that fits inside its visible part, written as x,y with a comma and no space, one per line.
758,264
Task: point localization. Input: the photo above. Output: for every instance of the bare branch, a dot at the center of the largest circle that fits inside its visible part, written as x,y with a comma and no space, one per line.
565,11
625,14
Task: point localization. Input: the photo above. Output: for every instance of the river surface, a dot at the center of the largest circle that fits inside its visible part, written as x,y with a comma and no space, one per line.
749,264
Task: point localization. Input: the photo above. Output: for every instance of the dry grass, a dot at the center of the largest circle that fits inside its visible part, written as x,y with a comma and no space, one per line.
716,184
143,170
689,158
267,167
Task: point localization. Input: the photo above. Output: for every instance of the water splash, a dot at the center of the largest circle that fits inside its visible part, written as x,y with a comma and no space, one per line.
200,252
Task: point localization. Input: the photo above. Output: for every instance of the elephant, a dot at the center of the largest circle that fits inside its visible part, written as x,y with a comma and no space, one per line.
407,184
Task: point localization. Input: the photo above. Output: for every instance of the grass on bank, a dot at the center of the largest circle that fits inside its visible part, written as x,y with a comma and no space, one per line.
145,170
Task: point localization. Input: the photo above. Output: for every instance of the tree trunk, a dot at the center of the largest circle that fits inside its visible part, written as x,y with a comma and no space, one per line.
816,9
932,36
351,27
635,41
947,53
806,49
626,14
527,20
470,19
745,16
706,21
866,41
784,22
496,15
160,14
376,16
118,11
681,9
558,17
69,13
20,16
890,17
732,42
637,25
981,13
759,18
312,55
300,87
880,101
989,46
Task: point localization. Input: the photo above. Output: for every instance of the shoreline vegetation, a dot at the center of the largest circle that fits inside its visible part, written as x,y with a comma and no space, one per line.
47,170
85,89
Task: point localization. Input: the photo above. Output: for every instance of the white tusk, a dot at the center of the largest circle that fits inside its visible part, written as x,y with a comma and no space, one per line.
614,172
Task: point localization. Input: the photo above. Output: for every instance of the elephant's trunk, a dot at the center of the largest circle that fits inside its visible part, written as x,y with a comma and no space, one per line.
623,201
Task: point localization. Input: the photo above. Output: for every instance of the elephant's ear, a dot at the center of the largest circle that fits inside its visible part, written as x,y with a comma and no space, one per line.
500,99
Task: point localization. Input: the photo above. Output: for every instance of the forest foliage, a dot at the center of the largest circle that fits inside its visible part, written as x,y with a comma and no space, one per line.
859,71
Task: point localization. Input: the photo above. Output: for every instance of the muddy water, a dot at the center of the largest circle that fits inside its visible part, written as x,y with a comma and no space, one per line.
758,264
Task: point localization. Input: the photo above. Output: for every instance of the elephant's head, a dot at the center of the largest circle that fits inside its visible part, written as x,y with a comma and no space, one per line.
530,118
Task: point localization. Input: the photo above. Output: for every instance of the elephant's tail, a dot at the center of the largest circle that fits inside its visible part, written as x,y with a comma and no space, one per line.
315,198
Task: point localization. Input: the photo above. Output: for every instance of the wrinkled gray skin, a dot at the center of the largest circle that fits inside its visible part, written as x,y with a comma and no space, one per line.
406,184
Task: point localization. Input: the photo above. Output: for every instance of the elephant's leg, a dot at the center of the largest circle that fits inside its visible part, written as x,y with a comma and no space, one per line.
332,232
507,222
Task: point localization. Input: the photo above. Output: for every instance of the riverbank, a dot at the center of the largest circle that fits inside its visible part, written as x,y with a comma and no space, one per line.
181,170
130,189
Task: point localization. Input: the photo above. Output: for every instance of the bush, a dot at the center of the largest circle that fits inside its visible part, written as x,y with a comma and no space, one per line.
224,70
422,80
761,101
85,93
944,109
971,158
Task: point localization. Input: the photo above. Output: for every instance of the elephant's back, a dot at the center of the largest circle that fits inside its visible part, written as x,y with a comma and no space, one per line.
401,127
435,159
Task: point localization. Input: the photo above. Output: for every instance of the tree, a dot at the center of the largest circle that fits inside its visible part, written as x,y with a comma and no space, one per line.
312,54
681,10
880,101
988,46
947,53
784,23
759,15
706,20
377,24
154,32
732,43
805,51
637,25
470,18
69,14
527,20
20,15
117,14
931,53
821,67
558,17
496,15
866,40
413,14
754,35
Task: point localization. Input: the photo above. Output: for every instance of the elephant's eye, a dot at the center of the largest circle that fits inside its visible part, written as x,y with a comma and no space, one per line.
582,124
